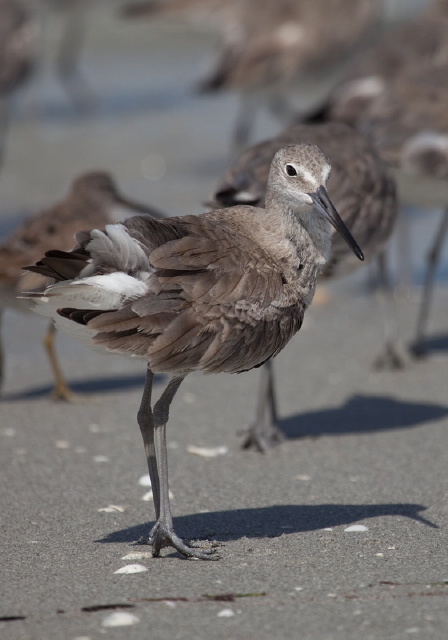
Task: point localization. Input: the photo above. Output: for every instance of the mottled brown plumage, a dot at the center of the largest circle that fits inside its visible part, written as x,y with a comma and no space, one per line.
93,200
220,292
362,190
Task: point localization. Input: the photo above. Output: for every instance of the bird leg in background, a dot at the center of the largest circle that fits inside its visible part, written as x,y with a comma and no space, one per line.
418,348
4,125
67,62
153,427
244,123
61,390
264,432
2,357
389,358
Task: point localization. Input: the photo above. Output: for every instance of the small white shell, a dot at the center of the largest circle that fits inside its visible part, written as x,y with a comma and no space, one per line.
8,431
120,619
145,481
356,527
225,613
303,476
62,444
100,458
207,452
132,568
112,508
137,555
147,497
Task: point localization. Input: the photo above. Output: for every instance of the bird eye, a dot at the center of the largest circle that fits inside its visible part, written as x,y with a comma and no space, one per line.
290,170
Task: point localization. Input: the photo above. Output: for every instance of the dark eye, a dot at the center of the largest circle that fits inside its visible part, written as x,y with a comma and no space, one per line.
290,170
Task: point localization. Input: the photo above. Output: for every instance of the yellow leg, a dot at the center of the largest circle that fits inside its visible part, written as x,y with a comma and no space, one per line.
61,390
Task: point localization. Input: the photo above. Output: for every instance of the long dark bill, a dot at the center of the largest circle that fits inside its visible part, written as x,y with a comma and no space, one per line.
324,205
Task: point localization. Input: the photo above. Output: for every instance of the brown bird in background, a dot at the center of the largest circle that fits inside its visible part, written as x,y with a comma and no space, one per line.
18,32
268,48
398,96
220,292
92,200
362,190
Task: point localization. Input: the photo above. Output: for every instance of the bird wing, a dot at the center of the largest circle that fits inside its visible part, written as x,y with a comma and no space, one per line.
214,301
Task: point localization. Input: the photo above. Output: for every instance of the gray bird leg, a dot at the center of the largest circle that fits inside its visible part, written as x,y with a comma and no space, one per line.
244,123
146,423
61,390
153,428
68,56
264,432
2,357
418,348
389,357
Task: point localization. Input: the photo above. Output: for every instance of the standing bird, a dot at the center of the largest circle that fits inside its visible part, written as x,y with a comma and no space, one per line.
362,190
18,33
92,200
398,96
408,123
268,48
220,292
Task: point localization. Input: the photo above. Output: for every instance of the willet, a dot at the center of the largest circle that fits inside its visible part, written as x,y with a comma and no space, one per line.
220,292
409,124
362,190
92,200
269,47
17,53
398,96
423,40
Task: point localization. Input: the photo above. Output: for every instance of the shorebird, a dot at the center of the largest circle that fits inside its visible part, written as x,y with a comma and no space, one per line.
409,125
423,40
17,55
92,200
269,47
219,292
362,190
398,96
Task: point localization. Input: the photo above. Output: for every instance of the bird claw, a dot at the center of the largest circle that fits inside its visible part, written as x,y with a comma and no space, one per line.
63,393
389,359
261,438
162,536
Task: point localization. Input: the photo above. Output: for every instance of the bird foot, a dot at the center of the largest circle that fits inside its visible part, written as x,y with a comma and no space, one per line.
162,535
418,349
389,359
261,437
62,392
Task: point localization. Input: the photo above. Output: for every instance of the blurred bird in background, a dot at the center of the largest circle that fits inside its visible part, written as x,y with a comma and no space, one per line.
93,200
398,96
362,190
269,48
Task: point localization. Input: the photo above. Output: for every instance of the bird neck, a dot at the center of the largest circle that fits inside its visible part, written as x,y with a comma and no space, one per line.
307,233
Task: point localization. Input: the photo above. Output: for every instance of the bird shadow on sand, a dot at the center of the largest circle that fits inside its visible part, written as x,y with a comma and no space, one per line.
436,344
90,386
362,414
273,521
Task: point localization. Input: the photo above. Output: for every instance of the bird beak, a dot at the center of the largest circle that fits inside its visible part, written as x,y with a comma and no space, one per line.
138,206
323,204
